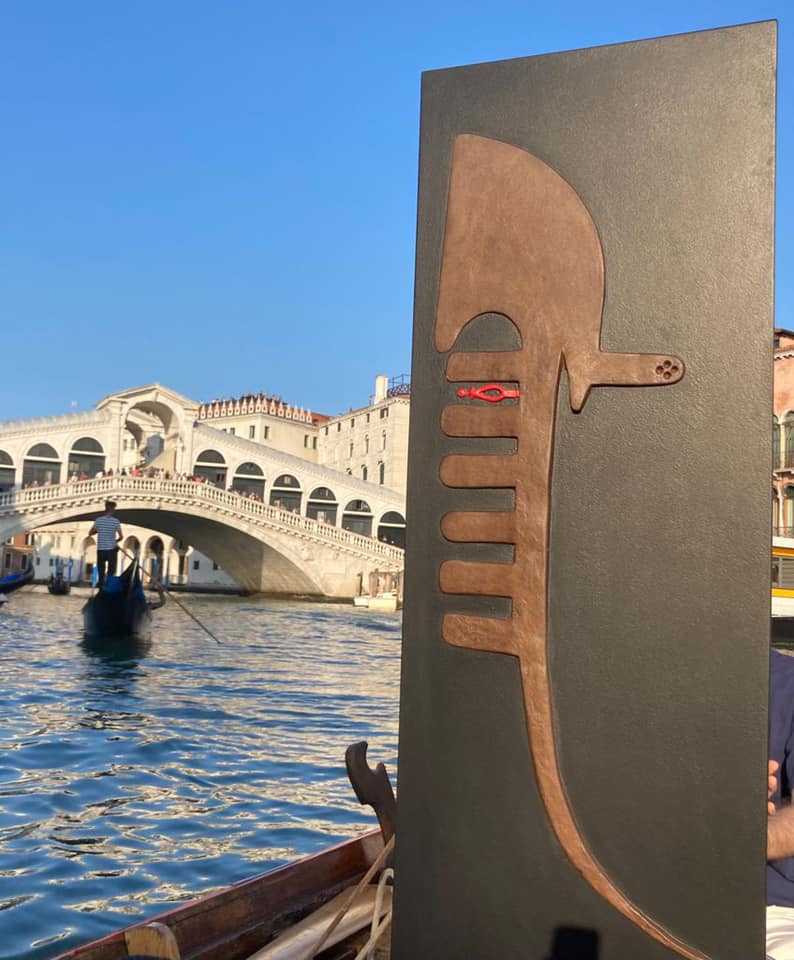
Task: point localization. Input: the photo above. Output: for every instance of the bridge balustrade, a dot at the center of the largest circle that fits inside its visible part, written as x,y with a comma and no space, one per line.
106,487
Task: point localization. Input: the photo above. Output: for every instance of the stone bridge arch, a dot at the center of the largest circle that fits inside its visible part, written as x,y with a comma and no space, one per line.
261,547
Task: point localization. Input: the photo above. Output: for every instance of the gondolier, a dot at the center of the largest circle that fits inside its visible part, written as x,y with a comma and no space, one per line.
108,531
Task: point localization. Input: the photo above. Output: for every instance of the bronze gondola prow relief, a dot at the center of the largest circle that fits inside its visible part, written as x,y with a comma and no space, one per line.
520,242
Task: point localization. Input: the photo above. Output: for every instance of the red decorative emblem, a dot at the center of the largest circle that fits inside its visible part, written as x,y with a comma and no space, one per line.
492,392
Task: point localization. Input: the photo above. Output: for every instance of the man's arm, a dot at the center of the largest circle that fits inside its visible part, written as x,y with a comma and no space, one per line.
780,834
119,534
92,531
780,821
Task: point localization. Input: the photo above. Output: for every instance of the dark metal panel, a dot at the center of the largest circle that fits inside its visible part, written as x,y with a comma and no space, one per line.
658,598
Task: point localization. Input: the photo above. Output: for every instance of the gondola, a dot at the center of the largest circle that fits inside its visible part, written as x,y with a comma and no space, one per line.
119,607
58,584
16,580
336,903
277,915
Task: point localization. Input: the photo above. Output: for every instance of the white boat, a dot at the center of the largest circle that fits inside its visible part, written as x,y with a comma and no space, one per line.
387,601
384,601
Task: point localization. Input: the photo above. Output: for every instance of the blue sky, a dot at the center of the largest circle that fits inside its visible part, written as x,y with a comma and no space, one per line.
222,196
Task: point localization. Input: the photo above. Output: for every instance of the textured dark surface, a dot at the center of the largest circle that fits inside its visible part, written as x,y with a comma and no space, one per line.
659,568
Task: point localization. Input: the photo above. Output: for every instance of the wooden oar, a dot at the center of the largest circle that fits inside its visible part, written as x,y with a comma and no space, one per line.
158,584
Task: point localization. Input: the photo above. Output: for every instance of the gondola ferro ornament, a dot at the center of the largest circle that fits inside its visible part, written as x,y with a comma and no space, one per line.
520,242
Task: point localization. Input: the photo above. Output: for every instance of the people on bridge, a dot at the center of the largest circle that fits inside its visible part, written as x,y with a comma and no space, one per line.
108,531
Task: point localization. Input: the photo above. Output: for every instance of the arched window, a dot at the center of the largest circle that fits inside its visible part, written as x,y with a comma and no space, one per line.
87,560
322,505
286,493
210,456
357,518
775,513
41,467
132,545
391,529
88,445
364,471
7,472
86,458
249,478
788,439
154,560
381,472
775,443
43,450
211,467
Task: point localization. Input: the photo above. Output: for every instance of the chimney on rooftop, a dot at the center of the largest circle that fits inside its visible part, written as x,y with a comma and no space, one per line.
381,387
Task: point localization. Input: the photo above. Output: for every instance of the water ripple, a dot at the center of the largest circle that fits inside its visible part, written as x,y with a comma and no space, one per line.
135,777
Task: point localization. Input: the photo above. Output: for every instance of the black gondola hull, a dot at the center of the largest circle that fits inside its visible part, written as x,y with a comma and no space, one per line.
120,612
16,580
105,616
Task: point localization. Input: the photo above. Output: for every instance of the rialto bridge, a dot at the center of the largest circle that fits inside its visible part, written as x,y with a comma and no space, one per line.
273,521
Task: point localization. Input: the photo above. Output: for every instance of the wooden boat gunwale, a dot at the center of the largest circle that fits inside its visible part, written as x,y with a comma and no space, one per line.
234,922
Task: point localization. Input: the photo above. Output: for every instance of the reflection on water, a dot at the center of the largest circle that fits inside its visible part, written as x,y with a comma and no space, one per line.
117,649
140,773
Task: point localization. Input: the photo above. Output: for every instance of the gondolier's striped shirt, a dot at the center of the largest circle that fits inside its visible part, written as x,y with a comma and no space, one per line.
106,528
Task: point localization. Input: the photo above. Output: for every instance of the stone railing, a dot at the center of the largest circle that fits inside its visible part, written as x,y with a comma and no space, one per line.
35,499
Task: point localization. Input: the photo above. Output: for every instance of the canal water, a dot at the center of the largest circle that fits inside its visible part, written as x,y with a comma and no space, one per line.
132,778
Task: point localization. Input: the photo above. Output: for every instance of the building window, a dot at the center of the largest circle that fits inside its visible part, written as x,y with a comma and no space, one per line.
384,412
251,433
352,422
381,472
249,480
326,431
366,444
196,564
367,418
306,441
788,435
350,454
775,444
286,493
211,467
41,466
322,505
266,433
231,430
314,443
363,473
383,440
